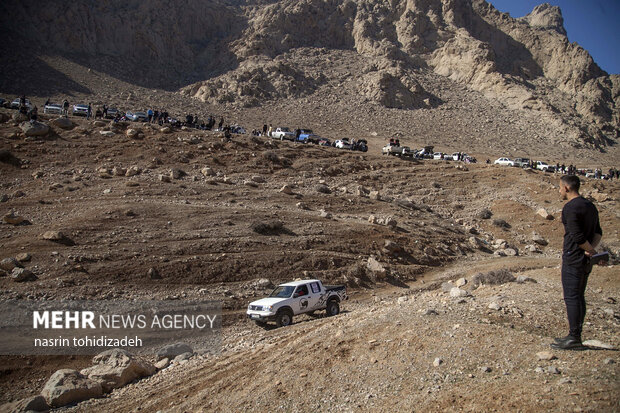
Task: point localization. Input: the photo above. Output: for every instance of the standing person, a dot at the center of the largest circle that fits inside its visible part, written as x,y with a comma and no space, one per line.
582,233
219,126
90,111
149,114
264,129
105,111
65,107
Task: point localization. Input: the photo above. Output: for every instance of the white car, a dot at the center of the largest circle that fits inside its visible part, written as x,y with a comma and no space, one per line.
342,144
15,104
438,155
53,108
297,297
137,116
80,110
504,162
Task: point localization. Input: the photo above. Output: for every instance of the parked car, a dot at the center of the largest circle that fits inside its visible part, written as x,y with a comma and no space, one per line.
283,134
324,142
392,148
111,114
307,136
504,162
15,104
360,145
425,153
294,298
439,155
53,108
543,166
136,116
80,110
522,162
342,143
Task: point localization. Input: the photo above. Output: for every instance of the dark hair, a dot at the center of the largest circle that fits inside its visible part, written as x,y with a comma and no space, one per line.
572,182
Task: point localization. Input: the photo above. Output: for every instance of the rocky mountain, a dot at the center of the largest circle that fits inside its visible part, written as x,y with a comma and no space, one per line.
247,53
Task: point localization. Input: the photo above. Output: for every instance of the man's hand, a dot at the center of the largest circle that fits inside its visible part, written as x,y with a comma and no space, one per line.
590,253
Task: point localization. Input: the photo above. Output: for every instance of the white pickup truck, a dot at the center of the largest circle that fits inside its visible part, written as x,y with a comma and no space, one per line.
283,134
294,298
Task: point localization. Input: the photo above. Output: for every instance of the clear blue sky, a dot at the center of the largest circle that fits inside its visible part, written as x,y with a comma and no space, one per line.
594,24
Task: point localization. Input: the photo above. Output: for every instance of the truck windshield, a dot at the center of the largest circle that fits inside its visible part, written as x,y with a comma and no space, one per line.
282,291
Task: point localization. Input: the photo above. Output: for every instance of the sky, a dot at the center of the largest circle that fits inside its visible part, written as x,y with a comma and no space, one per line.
594,24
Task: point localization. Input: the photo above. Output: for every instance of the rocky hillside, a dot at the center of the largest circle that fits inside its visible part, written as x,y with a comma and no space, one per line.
248,53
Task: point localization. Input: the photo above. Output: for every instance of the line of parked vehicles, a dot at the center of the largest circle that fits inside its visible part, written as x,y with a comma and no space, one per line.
304,135
394,148
525,163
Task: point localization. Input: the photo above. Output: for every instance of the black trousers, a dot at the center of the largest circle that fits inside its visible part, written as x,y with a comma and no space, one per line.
574,280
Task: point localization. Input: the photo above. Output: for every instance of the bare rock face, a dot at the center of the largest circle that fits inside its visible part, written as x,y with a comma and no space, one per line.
115,368
546,16
68,386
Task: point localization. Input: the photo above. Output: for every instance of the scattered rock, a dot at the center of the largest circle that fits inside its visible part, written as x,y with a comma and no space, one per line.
390,222
183,357
23,257
543,213
272,227
437,362
286,189
402,299
116,367
447,286
524,279
374,195
13,219
326,215
484,214
457,292
392,248
162,364
609,360
323,189
538,239
165,178
118,171
58,237
176,173
133,171
22,275
19,117
493,278
373,219
303,206
153,274
461,282
173,350
545,355
498,222
598,344
477,243
263,283
553,370
165,129
494,306
485,369
107,133
258,179
131,133
9,263
68,386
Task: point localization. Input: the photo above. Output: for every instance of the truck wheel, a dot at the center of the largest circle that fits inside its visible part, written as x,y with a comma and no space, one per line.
333,308
284,318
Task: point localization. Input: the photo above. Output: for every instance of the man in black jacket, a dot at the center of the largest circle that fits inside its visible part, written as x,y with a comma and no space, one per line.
582,233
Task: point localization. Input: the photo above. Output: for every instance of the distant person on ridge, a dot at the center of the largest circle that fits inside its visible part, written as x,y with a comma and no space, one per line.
219,126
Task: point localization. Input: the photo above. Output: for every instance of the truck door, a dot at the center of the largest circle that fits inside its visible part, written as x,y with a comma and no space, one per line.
301,299
316,297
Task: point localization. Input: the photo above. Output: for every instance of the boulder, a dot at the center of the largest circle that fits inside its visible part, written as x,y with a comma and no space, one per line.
19,117
63,123
390,222
543,213
132,133
118,171
176,173
13,219
100,123
165,178
22,275
376,267
476,243
263,283
538,239
30,404
107,133
258,179
325,214
165,129
53,236
153,274
34,128
373,219
391,247
461,282
23,257
116,367
8,264
68,386
173,350
374,195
